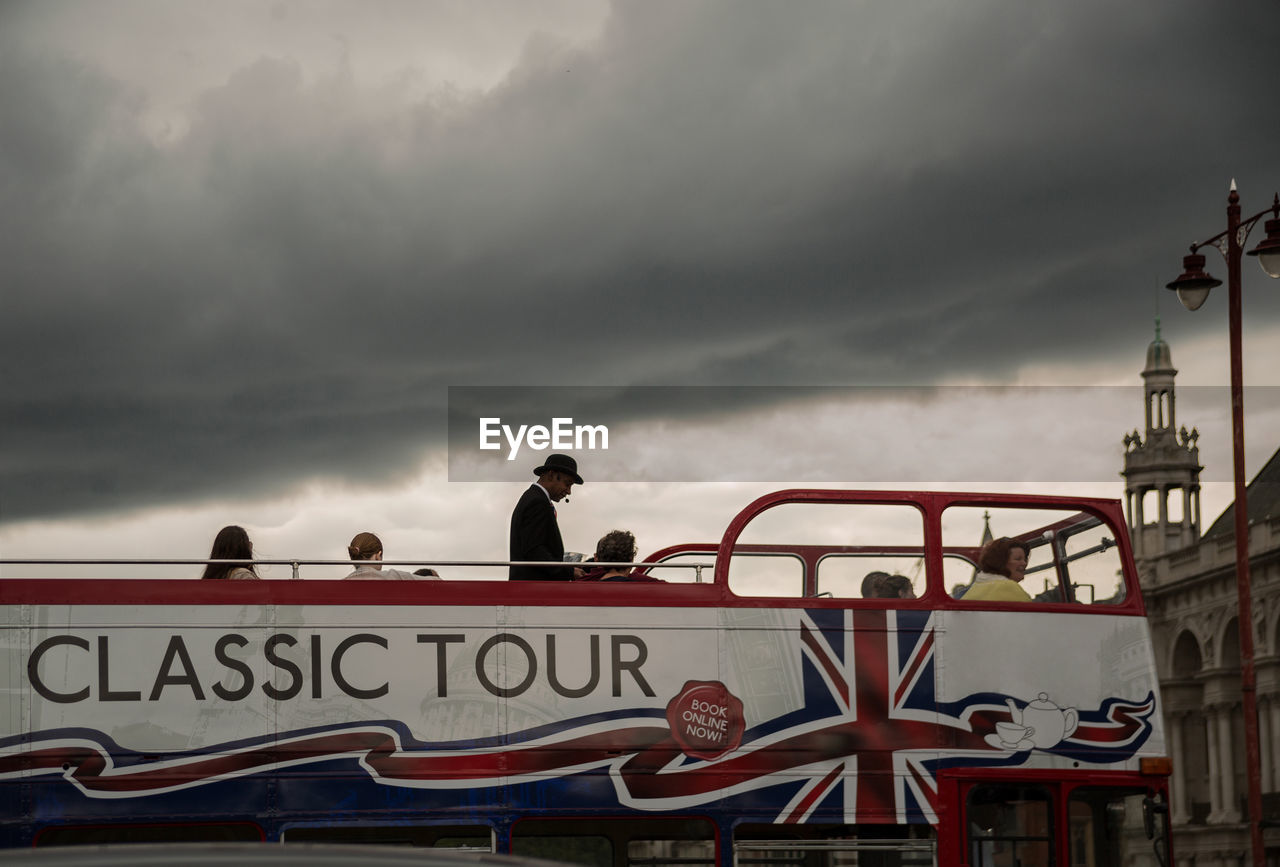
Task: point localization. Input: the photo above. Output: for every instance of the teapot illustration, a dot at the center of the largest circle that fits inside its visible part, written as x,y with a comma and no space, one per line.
1046,723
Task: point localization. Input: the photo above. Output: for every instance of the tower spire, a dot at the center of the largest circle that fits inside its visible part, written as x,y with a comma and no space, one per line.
1161,465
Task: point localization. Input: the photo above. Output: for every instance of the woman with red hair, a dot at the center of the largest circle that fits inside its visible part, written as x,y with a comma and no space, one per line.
1002,564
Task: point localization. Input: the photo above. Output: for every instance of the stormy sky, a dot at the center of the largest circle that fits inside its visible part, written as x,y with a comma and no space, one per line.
247,247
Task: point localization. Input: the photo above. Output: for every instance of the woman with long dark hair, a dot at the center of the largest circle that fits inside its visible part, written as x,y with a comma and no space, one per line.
231,543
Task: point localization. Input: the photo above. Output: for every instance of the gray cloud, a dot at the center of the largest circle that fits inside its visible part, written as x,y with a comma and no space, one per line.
702,193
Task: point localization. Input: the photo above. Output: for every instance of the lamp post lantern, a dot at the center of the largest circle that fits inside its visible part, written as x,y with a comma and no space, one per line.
1193,288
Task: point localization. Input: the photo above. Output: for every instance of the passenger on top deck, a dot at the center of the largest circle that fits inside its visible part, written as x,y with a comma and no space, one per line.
535,535
898,587
882,585
616,546
873,585
1002,564
231,543
367,546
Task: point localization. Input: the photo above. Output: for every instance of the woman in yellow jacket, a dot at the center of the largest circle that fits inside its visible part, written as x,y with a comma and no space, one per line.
1002,565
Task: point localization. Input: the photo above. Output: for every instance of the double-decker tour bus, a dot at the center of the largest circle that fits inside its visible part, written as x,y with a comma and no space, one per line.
751,707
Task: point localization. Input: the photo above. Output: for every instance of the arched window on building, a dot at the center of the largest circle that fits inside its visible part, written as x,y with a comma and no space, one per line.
1187,660
1229,662
1186,666
1159,414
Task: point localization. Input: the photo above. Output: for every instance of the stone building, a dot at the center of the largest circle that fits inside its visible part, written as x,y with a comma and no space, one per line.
1189,582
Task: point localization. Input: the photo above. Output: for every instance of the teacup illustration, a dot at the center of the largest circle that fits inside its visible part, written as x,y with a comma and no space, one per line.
1011,734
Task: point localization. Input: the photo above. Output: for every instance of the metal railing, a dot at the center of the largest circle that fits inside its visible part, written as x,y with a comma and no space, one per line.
295,565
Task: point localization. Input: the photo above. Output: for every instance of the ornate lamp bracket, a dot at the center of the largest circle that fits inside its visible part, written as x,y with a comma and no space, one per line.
1223,241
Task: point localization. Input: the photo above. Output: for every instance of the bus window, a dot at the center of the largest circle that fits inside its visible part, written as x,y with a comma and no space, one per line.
583,848
687,574
834,545
965,528
617,842
1107,827
1009,826
647,852
843,575
761,574
957,573
822,845
470,838
1091,562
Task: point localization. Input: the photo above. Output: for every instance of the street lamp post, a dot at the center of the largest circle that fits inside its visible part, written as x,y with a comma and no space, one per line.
1193,288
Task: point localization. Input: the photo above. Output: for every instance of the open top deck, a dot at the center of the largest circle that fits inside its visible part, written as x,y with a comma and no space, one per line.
769,712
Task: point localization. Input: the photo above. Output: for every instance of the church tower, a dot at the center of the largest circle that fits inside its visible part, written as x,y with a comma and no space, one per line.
1162,468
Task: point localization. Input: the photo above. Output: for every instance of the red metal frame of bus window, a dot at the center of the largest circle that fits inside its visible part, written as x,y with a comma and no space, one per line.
954,785
809,555
932,504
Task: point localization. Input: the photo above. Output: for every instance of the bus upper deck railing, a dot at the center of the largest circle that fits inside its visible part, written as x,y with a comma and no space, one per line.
296,565
931,540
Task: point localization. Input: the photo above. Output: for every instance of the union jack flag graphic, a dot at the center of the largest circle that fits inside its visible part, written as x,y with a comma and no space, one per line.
865,747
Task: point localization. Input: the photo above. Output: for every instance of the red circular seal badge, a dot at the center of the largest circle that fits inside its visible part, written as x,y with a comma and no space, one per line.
706,719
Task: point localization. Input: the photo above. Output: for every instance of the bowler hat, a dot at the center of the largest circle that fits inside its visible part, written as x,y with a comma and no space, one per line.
561,464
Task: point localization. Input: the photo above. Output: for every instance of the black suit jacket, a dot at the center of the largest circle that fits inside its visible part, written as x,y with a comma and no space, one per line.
536,536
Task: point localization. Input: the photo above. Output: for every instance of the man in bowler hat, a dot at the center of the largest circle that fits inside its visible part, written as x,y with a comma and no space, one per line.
534,532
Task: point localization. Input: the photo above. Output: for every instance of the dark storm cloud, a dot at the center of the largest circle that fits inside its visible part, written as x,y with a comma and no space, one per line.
709,193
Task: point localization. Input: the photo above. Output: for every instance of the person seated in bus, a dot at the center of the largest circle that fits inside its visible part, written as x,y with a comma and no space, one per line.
231,543
368,547
898,587
616,546
873,585
882,585
1001,566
